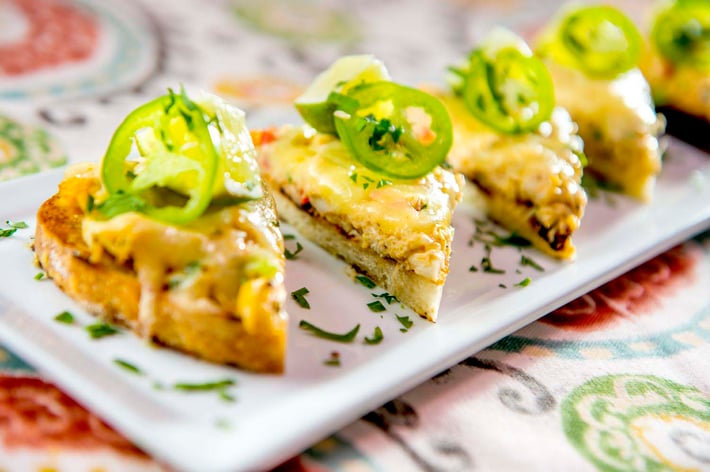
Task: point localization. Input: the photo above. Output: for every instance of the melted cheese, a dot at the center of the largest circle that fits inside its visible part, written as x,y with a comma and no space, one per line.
541,170
405,220
618,123
220,264
682,87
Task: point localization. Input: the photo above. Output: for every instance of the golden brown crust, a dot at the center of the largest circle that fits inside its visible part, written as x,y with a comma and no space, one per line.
112,291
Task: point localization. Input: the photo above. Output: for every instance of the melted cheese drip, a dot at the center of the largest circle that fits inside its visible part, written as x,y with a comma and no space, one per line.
218,265
406,220
618,123
540,170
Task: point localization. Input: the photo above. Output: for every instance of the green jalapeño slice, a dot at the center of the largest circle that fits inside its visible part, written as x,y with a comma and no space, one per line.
398,131
599,40
170,157
681,33
505,86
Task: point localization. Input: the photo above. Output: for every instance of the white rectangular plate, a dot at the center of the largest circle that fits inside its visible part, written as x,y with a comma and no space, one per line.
275,417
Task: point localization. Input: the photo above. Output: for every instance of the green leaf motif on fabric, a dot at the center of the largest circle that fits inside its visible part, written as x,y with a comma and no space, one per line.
638,422
26,150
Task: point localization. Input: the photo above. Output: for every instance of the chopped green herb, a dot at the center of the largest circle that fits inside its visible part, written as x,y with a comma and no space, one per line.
406,322
424,207
376,338
502,286
177,278
382,182
341,338
6,233
376,306
333,360
473,269
120,203
100,330
293,255
128,366
300,297
353,177
226,396
222,423
526,261
17,224
39,276
289,236
90,203
216,385
366,281
487,265
524,283
389,298
65,317
365,185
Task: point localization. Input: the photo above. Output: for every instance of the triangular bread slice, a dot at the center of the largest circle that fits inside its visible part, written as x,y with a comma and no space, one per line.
618,124
212,288
530,182
396,232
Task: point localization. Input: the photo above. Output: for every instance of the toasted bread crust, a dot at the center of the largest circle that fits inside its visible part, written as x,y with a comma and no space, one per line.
112,292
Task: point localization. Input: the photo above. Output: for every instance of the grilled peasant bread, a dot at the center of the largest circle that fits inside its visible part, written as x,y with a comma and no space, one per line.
397,232
200,288
531,182
618,124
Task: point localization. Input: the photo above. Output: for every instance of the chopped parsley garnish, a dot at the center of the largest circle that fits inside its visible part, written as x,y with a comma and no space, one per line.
473,268
526,261
39,276
119,203
190,270
388,297
333,360
65,317
289,236
293,255
406,322
90,203
300,297
382,182
487,265
366,281
376,338
353,177
320,333
205,386
502,285
226,396
376,306
17,224
524,283
13,227
128,366
100,330
484,234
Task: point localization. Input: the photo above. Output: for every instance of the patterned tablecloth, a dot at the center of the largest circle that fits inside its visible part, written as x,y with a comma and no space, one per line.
619,379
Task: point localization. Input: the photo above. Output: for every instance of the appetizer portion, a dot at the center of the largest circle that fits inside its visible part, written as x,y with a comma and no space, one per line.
592,53
366,182
174,235
676,62
519,151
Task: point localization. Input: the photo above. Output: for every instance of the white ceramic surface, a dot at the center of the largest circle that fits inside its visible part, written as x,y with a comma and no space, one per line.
275,417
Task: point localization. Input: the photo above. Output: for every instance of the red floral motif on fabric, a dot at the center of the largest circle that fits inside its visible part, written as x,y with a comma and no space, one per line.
34,413
628,296
56,33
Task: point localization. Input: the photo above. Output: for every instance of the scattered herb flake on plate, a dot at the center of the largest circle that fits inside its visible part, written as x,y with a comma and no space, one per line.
65,317
333,360
128,366
300,297
321,333
526,261
204,386
376,306
376,338
524,283
366,281
406,322
293,255
100,330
